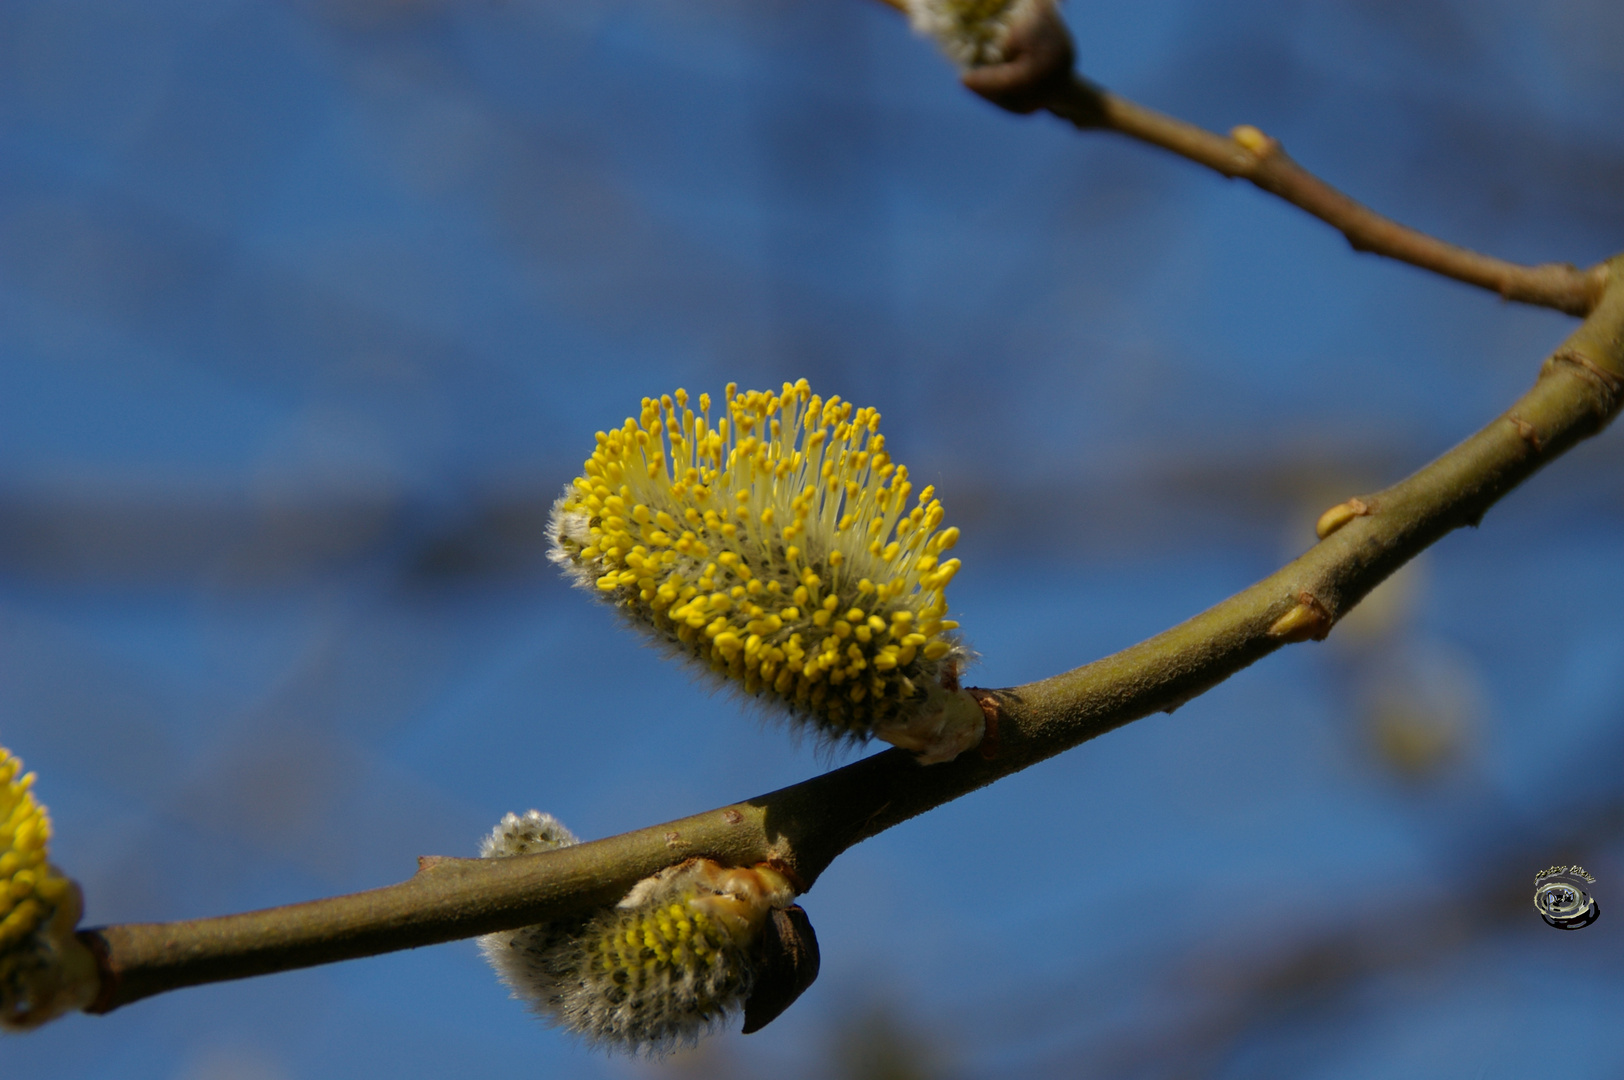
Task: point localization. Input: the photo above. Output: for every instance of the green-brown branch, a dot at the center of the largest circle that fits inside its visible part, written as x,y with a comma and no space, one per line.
1251,155
1036,73
806,826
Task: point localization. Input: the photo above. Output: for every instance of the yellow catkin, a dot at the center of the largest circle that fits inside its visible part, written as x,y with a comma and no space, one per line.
44,971
781,548
670,961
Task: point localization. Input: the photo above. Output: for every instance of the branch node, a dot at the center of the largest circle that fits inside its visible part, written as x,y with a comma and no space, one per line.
782,867
1308,620
988,700
1255,142
1609,383
106,999
1339,515
1527,432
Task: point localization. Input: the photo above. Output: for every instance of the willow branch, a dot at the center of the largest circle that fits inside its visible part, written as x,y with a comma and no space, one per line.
1251,155
806,826
1037,74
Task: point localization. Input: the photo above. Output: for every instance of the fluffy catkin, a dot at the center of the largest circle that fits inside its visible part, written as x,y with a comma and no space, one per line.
778,551
971,32
669,962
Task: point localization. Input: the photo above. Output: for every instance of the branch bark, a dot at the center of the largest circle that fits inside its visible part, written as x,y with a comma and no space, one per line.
806,826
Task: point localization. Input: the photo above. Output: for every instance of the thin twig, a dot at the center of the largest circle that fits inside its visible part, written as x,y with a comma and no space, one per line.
1036,73
804,827
1251,155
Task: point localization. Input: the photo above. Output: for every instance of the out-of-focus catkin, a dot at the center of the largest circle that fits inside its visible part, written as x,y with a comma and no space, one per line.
971,32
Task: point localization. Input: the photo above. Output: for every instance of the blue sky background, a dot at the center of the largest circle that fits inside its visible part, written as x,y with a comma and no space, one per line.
309,309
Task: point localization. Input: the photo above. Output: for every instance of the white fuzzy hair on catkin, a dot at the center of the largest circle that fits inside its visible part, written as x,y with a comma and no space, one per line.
654,972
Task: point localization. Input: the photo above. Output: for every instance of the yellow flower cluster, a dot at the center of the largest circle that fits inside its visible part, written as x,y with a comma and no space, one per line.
43,969
777,547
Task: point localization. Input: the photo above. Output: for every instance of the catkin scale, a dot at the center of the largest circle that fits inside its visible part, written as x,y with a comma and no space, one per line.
680,953
778,551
